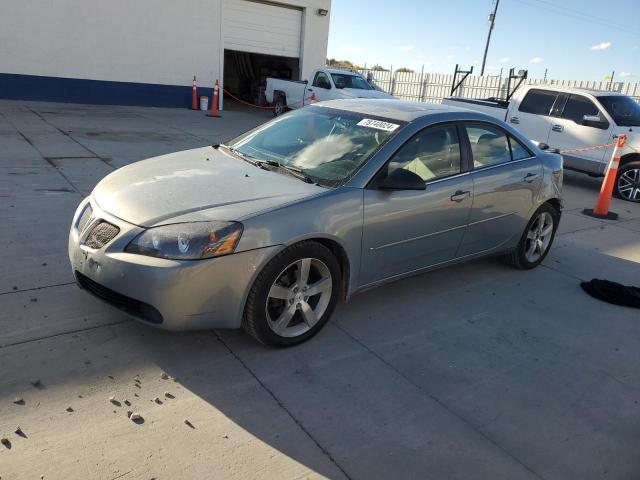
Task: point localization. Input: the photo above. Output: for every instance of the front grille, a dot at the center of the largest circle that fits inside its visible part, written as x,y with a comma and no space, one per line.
131,306
101,234
85,217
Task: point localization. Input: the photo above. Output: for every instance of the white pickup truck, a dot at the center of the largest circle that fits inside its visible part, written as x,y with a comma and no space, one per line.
572,119
327,84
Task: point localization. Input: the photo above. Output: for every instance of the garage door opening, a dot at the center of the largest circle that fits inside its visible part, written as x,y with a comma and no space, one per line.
245,75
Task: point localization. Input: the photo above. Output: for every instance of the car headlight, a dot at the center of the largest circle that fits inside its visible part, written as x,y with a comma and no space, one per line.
188,241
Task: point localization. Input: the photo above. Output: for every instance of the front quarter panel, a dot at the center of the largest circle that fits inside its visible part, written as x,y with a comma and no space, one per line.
336,216
552,165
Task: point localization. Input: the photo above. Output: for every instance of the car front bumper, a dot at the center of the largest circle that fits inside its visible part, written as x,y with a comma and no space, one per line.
169,294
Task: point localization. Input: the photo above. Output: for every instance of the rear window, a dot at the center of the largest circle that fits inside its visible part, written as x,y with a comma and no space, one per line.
538,102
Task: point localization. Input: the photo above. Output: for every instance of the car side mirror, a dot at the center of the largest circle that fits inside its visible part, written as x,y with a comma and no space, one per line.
543,146
401,179
594,121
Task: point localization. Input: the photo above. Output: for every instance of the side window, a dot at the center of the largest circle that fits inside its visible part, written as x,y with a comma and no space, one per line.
538,102
321,80
489,145
432,153
577,107
518,151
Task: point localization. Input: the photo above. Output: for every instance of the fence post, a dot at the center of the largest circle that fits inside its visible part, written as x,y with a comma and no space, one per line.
423,89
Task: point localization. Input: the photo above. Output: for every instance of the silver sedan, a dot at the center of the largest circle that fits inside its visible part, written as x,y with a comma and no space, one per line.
268,231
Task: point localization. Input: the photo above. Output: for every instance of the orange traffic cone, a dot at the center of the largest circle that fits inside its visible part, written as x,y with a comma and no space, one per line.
194,95
601,210
214,101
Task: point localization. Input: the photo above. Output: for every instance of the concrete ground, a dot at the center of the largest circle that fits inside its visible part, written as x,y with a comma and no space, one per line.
476,371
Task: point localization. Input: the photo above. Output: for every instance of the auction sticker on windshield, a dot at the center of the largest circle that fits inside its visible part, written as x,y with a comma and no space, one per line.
379,124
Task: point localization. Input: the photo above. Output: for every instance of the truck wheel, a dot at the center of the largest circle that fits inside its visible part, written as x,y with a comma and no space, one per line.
628,182
280,106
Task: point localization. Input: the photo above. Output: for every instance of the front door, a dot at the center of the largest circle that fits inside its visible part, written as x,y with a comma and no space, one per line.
506,178
568,133
405,231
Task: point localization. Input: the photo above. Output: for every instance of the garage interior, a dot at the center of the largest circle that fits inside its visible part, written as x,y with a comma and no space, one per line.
245,74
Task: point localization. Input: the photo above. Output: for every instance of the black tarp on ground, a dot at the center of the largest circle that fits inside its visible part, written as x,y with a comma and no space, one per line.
613,292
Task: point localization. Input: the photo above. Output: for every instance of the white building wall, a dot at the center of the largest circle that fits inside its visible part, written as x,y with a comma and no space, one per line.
140,41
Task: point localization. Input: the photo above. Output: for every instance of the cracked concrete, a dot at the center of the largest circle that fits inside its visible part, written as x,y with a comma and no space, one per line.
476,371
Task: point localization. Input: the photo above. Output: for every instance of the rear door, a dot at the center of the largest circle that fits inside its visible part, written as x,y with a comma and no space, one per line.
531,117
506,178
568,133
409,230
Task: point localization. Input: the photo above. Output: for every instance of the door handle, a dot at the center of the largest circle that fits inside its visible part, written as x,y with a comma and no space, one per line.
460,196
557,128
309,89
530,177
514,120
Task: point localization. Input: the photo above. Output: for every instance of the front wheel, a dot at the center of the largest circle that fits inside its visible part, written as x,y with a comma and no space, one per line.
628,182
293,296
536,240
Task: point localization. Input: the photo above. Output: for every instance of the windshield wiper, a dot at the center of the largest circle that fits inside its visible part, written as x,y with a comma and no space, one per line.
243,156
294,171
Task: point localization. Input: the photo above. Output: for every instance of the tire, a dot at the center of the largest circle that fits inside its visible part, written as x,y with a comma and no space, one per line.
628,182
279,290
280,106
525,256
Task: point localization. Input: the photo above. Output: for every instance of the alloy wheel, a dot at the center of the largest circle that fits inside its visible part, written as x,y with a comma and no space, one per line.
539,237
299,297
629,185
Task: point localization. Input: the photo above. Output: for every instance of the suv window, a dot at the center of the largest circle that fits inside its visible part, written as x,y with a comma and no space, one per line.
577,107
432,153
538,102
321,80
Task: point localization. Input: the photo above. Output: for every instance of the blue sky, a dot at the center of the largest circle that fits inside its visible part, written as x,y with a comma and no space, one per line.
573,39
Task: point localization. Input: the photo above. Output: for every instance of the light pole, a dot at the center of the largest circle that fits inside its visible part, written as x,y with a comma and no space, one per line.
492,19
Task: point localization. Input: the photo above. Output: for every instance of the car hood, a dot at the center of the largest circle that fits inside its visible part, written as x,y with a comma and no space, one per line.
193,185
360,93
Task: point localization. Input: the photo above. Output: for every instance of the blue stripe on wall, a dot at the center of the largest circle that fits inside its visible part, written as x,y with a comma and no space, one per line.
76,90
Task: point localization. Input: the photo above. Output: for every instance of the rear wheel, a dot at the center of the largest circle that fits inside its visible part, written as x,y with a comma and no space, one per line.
536,240
293,296
280,106
628,182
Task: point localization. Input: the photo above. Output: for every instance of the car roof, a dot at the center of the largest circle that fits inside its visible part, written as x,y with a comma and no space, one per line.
404,111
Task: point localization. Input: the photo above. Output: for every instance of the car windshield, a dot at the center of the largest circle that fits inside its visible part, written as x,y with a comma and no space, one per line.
344,80
326,145
625,111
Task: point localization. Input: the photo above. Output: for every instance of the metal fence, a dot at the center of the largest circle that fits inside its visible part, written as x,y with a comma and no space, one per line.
433,87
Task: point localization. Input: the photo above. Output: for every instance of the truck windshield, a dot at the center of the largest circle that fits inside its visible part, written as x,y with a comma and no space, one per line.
326,145
625,111
344,80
